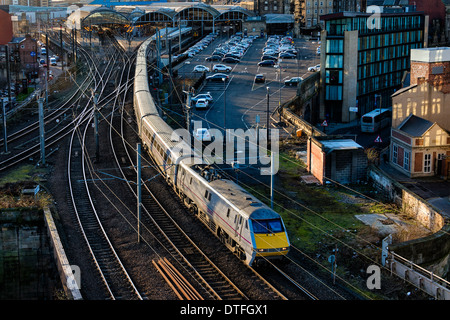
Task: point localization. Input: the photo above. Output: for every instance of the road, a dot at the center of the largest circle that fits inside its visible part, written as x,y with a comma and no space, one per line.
241,98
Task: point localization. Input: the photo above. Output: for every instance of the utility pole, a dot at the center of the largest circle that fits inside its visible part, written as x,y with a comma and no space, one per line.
272,160
5,135
179,35
188,111
8,75
170,72
224,109
268,115
158,52
46,48
97,153
62,50
41,129
139,191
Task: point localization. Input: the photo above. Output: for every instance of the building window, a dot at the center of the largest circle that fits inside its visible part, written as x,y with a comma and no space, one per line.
334,61
333,93
394,153
427,163
406,160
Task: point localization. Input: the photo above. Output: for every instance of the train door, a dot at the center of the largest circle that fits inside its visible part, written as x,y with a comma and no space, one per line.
237,226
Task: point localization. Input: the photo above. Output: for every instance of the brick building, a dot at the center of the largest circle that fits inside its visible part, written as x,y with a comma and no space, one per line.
340,160
6,28
420,140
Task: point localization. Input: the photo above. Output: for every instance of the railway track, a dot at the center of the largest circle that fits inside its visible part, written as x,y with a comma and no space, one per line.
178,249
116,280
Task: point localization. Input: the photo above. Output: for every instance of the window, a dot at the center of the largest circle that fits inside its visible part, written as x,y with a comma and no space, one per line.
228,213
267,226
427,163
334,61
394,153
406,160
333,93
207,195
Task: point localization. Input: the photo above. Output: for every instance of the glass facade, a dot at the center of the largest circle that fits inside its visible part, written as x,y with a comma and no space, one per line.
383,55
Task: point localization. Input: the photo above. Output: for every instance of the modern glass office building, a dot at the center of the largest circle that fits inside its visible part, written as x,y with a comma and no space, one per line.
364,58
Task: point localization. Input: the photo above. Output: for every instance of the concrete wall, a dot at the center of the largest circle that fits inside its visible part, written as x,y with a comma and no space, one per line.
68,279
431,251
27,270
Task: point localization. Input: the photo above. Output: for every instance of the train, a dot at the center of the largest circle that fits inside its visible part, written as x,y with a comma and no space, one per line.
245,225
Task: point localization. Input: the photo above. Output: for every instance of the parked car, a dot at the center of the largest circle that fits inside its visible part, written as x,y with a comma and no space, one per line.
231,60
217,77
221,68
292,50
201,68
206,96
201,104
202,134
267,57
287,55
266,63
260,78
314,68
214,58
293,81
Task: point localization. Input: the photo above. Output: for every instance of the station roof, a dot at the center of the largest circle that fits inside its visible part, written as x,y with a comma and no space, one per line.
140,10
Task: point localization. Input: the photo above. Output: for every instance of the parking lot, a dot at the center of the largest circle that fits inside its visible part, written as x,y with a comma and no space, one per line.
243,100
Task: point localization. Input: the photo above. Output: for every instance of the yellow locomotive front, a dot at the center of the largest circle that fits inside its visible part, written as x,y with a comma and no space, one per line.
270,237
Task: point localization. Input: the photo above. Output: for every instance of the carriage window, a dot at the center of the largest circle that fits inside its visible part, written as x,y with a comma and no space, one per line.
228,213
246,224
208,195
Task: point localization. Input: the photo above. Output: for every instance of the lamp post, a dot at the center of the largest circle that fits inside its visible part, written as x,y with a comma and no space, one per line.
224,108
268,114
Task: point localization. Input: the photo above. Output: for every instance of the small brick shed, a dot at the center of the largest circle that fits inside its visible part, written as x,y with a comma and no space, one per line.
340,160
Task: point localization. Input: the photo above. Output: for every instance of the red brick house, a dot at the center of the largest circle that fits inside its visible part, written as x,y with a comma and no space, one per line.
420,143
339,160
420,148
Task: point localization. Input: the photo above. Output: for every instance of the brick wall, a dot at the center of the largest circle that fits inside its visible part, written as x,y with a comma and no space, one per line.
425,70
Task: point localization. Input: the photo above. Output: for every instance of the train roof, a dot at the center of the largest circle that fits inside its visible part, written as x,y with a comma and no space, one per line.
243,200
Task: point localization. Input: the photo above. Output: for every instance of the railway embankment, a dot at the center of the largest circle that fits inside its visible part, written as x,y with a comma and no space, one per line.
431,251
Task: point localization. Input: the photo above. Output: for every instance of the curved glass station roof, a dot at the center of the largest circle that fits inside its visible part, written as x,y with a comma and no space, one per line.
168,12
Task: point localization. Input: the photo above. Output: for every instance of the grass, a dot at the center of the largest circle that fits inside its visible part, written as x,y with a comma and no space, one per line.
23,173
12,183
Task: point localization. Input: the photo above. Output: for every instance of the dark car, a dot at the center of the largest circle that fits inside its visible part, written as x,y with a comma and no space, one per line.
287,55
293,81
230,60
260,78
213,58
266,57
266,63
232,55
217,77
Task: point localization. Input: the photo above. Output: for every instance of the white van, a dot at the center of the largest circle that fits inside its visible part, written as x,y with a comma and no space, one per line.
53,61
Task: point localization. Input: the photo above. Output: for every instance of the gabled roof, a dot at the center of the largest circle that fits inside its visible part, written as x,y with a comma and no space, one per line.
415,126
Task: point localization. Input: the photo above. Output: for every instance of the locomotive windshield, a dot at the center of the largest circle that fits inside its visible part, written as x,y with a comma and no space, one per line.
267,226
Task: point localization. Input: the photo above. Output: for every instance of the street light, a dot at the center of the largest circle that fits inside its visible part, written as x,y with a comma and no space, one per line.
268,115
224,108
